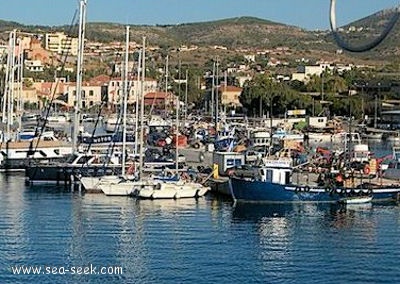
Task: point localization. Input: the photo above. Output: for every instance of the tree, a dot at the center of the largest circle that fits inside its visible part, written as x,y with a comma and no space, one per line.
265,93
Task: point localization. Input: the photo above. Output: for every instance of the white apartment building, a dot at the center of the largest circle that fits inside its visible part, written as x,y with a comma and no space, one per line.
34,65
61,44
305,72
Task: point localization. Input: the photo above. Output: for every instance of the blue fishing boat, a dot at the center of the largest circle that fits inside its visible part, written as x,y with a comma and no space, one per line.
273,182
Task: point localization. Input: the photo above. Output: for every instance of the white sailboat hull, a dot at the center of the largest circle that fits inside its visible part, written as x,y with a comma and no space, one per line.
118,189
172,190
92,183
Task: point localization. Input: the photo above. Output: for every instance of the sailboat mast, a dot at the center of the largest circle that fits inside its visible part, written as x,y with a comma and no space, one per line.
177,136
79,74
142,109
137,103
216,96
8,95
186,96
7,79
212,92
166,80
125,102
20,102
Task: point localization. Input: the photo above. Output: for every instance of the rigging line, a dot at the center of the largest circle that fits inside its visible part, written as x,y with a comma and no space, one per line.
64,55
110,148
365,47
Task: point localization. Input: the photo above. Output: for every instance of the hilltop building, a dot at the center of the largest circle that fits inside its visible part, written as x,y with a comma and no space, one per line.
61,44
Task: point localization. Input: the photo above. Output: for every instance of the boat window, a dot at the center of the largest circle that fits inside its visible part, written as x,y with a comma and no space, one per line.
233,162
269,175
287,177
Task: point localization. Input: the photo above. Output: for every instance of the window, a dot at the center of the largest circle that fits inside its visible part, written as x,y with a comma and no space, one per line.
287,177
233,162
91,93
269,175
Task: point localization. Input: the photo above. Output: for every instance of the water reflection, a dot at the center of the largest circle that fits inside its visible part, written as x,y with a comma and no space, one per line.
283,223
190,241
258,211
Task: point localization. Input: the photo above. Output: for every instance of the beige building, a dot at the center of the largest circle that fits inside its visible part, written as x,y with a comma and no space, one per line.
61,44
230,95
115,89
93,91
30,95
91,94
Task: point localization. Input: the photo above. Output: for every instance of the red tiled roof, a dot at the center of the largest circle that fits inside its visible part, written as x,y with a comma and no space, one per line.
157,95
223,88
101,79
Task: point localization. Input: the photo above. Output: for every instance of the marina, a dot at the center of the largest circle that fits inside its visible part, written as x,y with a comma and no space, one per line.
169,241
191,153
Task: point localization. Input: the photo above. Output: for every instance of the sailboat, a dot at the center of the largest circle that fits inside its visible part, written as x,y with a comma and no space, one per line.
116,184
121,186
79,163
178,187
18,145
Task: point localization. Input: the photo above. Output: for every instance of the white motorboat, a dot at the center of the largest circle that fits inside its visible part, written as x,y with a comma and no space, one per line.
113,123
58,118
15,154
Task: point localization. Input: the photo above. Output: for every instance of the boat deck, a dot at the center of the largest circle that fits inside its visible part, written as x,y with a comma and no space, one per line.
311,179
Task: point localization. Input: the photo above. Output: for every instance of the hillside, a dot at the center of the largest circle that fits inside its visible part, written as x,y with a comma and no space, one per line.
238,33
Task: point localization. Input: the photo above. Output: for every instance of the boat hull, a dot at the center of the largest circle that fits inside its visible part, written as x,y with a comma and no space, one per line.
117,189
172,190
258,191
66,174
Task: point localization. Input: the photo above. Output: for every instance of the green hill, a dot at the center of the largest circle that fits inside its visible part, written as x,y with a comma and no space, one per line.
237,33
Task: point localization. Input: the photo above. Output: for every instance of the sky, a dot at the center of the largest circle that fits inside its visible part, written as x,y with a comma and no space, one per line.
307,14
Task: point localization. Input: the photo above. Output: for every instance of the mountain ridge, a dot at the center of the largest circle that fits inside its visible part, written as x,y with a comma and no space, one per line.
236,33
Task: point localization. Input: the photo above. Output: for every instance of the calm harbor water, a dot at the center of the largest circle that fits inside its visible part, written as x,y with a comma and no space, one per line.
189,241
